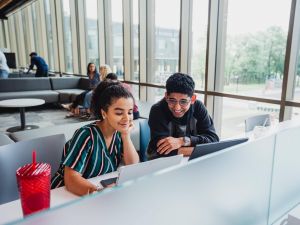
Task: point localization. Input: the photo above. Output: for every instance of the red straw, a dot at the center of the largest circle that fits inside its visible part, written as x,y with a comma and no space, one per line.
34,158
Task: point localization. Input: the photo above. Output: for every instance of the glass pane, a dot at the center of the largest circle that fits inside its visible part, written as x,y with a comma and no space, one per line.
234,112
156,94
117,37
166,40
199,37
48,16
255,47
135,36
92,31
296,95
26,37
67,36
293,112
34,24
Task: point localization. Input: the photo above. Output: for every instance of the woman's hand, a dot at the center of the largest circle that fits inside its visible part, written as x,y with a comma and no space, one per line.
126,132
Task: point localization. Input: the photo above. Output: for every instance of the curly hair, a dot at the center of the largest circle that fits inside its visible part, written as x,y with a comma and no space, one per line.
105,94
180,83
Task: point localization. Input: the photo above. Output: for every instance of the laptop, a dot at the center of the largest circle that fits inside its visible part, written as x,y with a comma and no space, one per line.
133,171
204,149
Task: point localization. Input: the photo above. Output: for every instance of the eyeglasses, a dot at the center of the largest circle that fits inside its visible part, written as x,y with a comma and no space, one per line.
182,102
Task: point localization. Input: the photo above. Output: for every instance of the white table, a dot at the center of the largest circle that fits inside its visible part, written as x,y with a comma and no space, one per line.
12,211
21,103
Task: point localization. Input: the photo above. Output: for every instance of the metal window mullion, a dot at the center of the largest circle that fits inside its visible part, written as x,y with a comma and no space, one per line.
78,36
291,60
143,48
42,30
101,32
185,36
108,32
54,35
215,59
150,32
127,39
60,37
20,39
38,29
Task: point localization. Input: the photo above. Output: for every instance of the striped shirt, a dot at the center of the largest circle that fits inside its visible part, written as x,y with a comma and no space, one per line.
88,154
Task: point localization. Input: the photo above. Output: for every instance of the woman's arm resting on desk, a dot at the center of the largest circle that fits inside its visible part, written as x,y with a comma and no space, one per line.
76,184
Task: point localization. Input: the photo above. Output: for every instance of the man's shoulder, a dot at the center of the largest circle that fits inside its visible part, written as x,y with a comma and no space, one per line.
158,106
158,109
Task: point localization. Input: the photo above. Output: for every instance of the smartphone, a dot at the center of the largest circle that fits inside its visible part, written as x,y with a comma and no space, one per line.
108,181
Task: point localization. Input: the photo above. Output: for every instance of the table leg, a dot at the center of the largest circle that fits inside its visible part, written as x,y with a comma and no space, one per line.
22,117
23,123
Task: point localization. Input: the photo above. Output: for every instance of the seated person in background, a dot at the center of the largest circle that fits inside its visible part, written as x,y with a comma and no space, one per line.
94,78
98,148
41,65
179,121
4,70
111,76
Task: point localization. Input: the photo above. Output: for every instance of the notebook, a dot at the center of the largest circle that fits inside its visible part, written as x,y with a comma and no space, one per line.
204,149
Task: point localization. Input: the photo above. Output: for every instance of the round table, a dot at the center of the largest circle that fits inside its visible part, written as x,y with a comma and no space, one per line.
21,103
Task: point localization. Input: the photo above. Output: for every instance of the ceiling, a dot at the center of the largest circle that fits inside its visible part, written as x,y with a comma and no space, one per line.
10,6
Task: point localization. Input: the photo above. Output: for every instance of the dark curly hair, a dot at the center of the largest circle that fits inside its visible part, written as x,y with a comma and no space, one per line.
105,93
180,83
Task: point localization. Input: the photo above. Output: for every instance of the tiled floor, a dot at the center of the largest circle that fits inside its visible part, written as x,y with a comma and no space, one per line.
44,116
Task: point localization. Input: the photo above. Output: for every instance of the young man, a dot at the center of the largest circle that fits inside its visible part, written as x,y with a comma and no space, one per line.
179,121
41,65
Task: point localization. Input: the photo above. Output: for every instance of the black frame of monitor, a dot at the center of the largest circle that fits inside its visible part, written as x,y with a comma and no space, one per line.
208,148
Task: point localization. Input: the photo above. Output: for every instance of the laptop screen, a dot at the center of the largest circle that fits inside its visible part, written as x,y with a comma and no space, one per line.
204,149
134,171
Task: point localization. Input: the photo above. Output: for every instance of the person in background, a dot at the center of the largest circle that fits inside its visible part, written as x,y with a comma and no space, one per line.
4,70
179,121
41,65
94,79
104,70
99,147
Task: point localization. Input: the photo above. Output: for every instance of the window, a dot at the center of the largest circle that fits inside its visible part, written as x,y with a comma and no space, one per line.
135,36
234,113
164,54
198,43
255,47
92,31
117,37
67,36
48,16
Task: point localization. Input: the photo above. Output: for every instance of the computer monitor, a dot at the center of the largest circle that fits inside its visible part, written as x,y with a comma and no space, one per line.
11,59
204,149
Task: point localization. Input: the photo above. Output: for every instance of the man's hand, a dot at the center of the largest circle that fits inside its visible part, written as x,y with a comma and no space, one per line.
185,151
168,144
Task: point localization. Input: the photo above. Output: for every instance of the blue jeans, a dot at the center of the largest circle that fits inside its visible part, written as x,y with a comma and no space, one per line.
87,100
3,74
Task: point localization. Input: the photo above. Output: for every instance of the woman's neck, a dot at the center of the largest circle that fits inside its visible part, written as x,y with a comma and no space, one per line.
106,129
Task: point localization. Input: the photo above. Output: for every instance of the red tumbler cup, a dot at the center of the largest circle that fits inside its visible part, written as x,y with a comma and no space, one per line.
34,187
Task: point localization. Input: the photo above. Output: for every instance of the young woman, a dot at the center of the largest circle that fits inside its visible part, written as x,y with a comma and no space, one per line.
94,78
98,148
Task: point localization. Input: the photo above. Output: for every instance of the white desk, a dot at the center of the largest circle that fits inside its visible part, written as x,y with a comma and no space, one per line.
12,210
21,103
